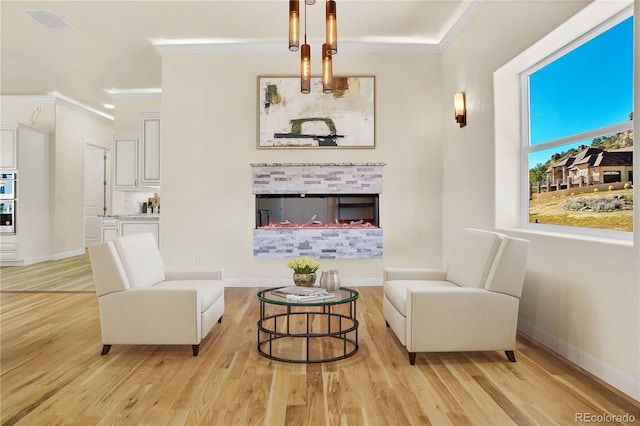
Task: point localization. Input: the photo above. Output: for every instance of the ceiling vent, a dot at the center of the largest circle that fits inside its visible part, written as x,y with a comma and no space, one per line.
50,19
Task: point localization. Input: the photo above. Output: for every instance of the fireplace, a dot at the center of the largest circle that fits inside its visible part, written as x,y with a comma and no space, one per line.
321,210
316,211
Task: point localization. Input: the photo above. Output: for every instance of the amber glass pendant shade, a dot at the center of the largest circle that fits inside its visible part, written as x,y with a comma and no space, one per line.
332,30
294,25
305,68
327,70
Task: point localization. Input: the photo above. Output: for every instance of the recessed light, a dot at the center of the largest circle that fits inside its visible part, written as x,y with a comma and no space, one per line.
109,106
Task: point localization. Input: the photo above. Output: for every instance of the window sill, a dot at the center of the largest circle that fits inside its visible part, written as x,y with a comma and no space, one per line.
570,236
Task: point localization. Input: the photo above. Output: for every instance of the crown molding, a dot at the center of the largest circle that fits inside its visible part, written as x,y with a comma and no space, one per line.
56,99
68,102
280,47
136,94
39,99
461,22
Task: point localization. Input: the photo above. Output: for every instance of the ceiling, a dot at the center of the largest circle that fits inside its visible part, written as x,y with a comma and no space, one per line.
114,47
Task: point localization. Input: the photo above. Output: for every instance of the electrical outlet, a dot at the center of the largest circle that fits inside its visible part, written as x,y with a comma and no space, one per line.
196,258
61,242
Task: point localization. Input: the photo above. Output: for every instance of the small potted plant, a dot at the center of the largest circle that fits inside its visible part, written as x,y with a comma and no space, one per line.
304,271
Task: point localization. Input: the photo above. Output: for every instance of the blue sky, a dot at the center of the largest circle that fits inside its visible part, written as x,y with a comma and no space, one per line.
589,88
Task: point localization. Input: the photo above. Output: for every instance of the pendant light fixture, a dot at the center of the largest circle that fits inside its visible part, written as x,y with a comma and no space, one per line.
332,30
305,60
328,49
327,71
294,25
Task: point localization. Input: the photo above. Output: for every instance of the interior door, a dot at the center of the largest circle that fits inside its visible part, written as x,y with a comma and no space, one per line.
94,193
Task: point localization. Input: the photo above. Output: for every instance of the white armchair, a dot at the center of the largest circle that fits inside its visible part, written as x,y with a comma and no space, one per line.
141,303
470,306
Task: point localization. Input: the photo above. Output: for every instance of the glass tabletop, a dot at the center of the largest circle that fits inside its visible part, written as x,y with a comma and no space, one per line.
342,295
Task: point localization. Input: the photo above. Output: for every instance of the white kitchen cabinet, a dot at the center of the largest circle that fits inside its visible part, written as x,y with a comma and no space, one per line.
137,156
8,159
149,149
138,226
110,229
126,161
8,250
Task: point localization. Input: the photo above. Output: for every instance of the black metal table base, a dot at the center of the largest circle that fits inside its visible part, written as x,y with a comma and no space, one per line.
346,332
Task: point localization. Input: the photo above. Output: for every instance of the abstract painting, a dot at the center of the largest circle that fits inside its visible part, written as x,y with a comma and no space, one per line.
343,119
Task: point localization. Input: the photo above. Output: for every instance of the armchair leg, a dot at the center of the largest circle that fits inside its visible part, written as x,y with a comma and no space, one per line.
220,320
412,358
387,322
510,355
105,349
195,349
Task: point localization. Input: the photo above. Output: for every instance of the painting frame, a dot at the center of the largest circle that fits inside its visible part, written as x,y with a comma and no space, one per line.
289,119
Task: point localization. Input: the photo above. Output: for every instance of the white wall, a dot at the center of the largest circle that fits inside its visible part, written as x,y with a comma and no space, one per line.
581,297
69,125
209,104
73,125
21,109
127,108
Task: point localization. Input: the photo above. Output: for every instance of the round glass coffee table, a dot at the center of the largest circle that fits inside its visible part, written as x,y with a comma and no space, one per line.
308,332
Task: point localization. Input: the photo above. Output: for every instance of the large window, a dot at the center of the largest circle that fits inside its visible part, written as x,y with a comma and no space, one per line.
579,146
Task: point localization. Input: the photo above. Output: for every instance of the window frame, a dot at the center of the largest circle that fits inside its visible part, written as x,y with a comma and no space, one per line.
527,148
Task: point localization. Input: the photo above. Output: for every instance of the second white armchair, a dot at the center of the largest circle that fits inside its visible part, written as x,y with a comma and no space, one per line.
470,306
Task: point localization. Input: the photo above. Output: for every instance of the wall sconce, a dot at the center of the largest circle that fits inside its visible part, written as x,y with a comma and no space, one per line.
460,107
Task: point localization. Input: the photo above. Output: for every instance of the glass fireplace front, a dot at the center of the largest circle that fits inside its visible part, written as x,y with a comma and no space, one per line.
316,210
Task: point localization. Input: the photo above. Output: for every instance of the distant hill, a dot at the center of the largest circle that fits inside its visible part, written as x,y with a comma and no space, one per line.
610,143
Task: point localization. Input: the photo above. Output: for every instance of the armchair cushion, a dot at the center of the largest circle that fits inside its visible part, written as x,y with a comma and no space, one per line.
471,260
140,259
207,291
108,274
396,291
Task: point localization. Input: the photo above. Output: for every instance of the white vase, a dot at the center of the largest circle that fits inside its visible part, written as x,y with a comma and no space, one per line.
330,280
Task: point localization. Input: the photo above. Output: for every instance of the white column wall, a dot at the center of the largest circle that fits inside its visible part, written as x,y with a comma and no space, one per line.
72,127
209,117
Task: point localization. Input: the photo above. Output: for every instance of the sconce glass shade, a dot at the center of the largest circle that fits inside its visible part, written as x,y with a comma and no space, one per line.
294,25
310,2
332,30
327,70
460,107
305,68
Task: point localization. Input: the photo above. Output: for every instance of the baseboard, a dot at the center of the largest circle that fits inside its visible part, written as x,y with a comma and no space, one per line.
25,262
60,256
38,259
616,378
279,282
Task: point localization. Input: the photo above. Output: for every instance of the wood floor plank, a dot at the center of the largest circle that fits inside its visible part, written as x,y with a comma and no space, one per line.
51,373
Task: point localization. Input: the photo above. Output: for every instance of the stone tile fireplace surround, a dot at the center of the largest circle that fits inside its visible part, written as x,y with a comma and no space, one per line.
346,242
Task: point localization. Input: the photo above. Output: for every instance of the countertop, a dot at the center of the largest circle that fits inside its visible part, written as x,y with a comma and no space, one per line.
142,216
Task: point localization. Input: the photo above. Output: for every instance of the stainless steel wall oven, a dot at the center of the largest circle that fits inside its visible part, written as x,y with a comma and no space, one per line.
8,201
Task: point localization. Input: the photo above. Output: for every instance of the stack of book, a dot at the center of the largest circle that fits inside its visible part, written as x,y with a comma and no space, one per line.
303,294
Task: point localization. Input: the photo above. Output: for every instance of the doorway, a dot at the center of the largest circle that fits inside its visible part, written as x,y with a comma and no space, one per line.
97,189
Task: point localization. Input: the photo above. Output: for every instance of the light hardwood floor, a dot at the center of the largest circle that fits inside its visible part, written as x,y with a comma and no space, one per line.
52,373
70,274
